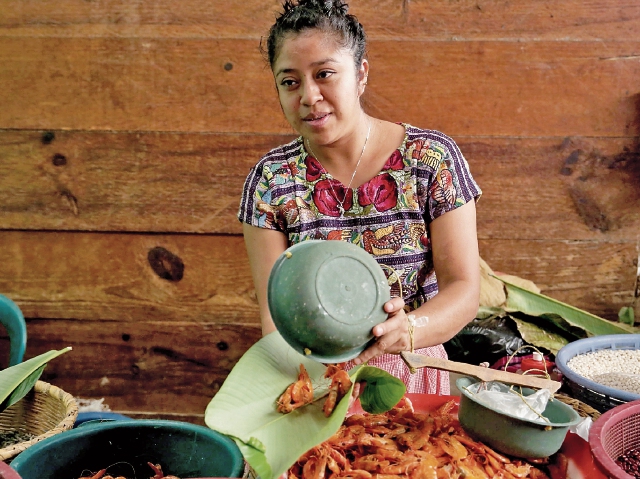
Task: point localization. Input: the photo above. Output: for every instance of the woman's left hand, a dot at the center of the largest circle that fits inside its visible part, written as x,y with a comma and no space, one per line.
392,336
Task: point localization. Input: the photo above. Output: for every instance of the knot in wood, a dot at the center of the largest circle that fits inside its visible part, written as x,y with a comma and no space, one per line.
48,137
59,159
165,264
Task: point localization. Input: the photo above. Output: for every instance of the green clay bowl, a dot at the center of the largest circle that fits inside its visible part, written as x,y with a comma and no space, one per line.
325,297
509,434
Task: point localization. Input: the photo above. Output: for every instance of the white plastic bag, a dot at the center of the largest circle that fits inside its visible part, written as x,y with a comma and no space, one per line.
508,399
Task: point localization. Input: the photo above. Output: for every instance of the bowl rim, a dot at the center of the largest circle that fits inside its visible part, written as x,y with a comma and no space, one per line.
93,426
538,422
590,345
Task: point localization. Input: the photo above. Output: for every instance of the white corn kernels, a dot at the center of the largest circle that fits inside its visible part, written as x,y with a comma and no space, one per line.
614,368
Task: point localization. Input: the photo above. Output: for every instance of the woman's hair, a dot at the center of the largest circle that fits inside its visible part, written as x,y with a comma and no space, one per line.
329,16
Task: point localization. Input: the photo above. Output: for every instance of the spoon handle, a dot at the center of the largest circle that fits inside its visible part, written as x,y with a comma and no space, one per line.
486,374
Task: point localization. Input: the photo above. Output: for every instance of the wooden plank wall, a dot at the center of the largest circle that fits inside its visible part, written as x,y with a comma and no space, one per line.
127,128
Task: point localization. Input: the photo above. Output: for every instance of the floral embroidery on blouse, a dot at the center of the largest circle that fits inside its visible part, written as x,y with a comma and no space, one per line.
388,216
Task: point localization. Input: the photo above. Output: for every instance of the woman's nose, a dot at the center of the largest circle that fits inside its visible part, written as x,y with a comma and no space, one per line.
310,93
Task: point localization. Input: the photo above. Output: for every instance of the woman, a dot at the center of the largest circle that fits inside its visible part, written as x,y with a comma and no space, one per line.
403,194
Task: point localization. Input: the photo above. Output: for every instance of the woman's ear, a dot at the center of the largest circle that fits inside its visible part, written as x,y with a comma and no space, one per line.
363,75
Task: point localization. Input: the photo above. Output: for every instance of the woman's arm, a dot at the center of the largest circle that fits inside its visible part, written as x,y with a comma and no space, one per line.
264,246
457,266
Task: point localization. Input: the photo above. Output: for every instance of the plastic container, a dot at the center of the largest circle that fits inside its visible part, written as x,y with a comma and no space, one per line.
536,362
614,433
538,365
125,447
513,435
596,395
84,417
7,472
12,319
325,297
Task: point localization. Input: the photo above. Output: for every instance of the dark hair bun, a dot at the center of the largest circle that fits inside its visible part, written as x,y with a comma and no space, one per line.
328,7
327,15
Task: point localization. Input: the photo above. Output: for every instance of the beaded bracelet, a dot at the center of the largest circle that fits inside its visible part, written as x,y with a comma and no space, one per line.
413,324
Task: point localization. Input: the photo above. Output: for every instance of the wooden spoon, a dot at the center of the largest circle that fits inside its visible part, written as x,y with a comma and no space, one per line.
485,374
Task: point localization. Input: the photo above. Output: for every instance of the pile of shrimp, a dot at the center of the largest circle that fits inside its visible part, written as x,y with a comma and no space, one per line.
405,444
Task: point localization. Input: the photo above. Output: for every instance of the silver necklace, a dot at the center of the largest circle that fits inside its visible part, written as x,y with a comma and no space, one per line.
353,175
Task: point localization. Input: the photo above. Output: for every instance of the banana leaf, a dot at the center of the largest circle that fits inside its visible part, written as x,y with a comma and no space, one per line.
626,315
245,406
535,304
16,381
539,337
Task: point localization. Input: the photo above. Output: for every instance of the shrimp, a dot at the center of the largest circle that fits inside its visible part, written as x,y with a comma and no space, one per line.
297,394
402,443
340,385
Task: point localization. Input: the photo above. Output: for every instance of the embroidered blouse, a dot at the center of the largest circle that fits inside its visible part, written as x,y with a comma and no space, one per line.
389,215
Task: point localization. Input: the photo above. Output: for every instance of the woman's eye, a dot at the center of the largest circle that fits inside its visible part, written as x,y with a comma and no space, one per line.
288,83
325,74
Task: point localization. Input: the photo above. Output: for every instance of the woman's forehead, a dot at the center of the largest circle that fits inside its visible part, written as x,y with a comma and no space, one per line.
310,47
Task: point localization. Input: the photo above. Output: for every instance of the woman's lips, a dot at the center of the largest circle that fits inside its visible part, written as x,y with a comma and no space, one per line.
317,120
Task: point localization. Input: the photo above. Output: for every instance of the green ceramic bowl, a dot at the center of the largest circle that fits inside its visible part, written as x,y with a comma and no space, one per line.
512,435
325,297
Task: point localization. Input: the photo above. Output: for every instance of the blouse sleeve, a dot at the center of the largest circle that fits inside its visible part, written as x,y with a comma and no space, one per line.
452,184
257,205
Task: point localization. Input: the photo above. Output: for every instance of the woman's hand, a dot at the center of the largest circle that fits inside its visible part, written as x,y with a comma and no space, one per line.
392,336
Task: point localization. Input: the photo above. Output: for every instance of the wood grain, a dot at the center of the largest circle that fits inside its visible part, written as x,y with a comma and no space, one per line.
107,277
417,19
533,188
141,366
495,88
105,181
599,277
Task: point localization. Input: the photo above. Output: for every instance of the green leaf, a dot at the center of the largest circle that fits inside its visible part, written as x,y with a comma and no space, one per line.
539,337
16,381
382,391
626,315
554,324
245,406
535,304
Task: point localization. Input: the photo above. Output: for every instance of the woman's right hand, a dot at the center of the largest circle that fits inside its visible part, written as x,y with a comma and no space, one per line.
391,336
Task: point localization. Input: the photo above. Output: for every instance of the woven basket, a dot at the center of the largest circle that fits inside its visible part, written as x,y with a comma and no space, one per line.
45,411
583,409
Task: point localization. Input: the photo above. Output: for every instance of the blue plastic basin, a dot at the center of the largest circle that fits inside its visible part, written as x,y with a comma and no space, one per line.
591,345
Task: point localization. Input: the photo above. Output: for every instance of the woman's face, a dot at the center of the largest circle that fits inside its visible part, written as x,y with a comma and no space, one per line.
318,86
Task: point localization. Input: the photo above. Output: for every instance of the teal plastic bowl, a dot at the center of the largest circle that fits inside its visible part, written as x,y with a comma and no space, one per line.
125,447
512,435
325,297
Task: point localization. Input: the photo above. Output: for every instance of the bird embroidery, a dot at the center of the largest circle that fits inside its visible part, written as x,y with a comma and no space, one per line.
383,241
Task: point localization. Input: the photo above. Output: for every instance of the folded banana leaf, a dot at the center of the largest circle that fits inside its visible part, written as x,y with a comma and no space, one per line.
16,381
245,406
535,304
